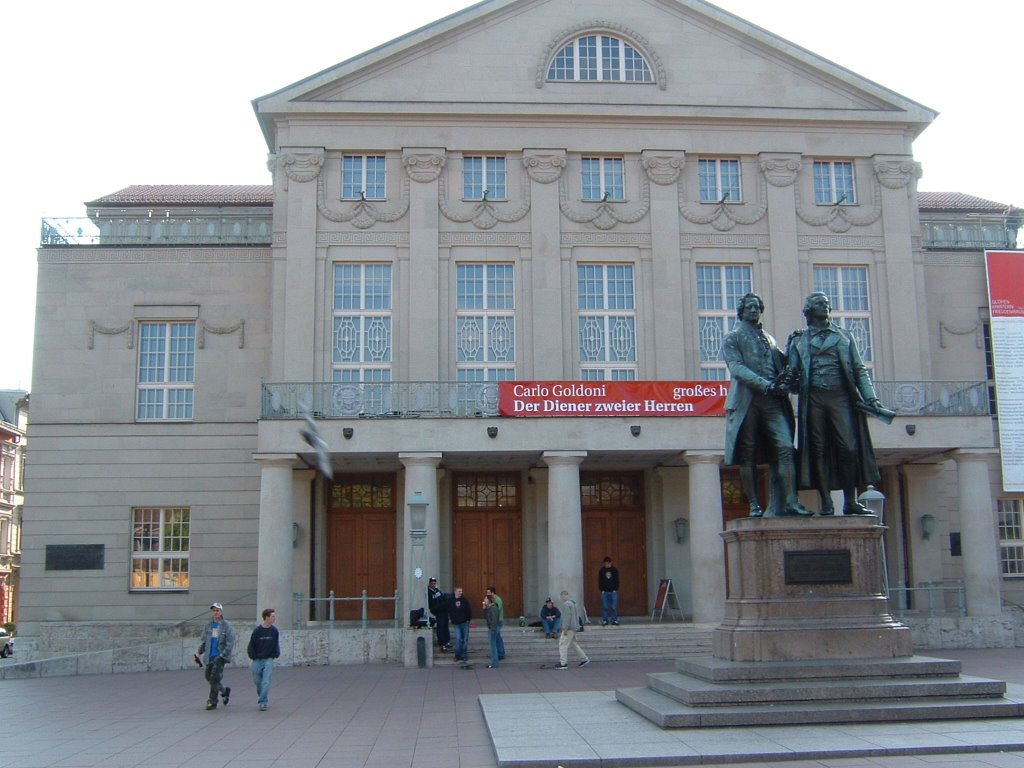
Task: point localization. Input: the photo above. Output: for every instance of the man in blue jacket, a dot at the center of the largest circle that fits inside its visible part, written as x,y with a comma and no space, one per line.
215,647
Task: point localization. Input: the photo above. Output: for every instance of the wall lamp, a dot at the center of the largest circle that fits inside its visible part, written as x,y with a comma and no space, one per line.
417,504
347,432
927,526
492,432
635,430
682,526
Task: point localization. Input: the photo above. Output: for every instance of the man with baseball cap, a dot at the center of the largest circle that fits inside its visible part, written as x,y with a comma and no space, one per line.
215,648
437,602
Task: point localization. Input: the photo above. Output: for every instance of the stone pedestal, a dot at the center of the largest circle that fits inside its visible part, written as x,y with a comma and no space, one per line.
807,588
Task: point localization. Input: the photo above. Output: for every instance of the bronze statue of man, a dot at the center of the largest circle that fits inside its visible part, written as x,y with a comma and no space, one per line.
758,414
835,395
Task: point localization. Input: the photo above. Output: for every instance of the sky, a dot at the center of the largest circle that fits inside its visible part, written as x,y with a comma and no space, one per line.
111,93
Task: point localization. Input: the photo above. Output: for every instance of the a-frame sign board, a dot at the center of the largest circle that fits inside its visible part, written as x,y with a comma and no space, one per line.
666,598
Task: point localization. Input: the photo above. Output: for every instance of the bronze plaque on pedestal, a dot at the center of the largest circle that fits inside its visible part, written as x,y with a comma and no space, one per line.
821,566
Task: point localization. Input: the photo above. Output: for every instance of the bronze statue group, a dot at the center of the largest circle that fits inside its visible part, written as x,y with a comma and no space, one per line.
823,366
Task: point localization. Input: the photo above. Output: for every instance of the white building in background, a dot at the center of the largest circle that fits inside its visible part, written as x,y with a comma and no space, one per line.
523,191
13,427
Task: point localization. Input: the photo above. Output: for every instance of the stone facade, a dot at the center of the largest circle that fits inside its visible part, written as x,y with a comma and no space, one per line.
271,325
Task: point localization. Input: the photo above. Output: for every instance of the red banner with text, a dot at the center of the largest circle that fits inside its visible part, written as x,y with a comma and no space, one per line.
612,398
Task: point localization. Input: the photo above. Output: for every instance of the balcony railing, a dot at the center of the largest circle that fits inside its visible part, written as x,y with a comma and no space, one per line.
380,400
460,399
199,229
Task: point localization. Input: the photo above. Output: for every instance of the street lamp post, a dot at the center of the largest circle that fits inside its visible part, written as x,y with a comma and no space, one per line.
874,500
417,504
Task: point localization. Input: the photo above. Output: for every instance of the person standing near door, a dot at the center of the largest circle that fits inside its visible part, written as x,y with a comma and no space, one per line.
459,613
437,602
608,583
493,627
493,593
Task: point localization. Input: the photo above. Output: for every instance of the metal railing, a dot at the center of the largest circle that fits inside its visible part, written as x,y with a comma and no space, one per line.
158,229
323,608
463,399
940,598
380,400
935,398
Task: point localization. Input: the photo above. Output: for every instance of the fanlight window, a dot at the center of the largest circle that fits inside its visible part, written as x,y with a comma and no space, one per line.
600,57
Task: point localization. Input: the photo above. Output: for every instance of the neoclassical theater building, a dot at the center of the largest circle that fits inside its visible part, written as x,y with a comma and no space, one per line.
562,195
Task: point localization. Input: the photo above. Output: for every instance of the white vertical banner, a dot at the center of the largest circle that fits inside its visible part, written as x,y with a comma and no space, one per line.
1005,270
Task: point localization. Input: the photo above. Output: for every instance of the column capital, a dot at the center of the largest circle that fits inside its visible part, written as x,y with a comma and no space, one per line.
780,168
420,459
275,459
703,457
972,454
563,458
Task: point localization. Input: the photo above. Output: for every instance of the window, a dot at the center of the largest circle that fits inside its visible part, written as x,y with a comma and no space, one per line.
167,360
361,350
719,289
603,179
990,366
719,180
847,291
485,324
483,177
160,547
606,322
1011,537
833,182
600,57
363,177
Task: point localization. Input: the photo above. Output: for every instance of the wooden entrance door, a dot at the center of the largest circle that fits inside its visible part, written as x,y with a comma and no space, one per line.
614,525
487,539
361,544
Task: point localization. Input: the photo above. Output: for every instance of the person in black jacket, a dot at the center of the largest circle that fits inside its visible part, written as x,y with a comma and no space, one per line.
459,613
551,618
437,602
264,647
608,583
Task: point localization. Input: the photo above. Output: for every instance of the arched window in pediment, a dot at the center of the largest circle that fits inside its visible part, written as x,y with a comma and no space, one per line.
599,56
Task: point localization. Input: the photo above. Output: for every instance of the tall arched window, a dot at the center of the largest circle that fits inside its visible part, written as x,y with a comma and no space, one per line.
600,57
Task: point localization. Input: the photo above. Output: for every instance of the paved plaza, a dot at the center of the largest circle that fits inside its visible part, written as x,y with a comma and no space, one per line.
389,716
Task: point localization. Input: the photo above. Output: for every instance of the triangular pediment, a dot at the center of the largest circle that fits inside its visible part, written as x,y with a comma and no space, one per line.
492,58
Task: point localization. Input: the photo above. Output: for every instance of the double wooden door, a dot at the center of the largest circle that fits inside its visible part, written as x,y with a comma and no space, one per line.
487,539
361,544
614,526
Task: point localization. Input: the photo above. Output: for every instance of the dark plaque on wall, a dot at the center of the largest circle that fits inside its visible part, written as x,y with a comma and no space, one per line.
820,566
74,557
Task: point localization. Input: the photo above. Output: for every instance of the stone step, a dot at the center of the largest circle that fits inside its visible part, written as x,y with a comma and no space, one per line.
667,712
622,643
689,690
724,671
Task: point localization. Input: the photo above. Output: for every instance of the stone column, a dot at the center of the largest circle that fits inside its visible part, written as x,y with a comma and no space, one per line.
421,476
294,310
707,560
565,523
424,166
786,300
663,169
899,273
545,297
274,557
979,539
